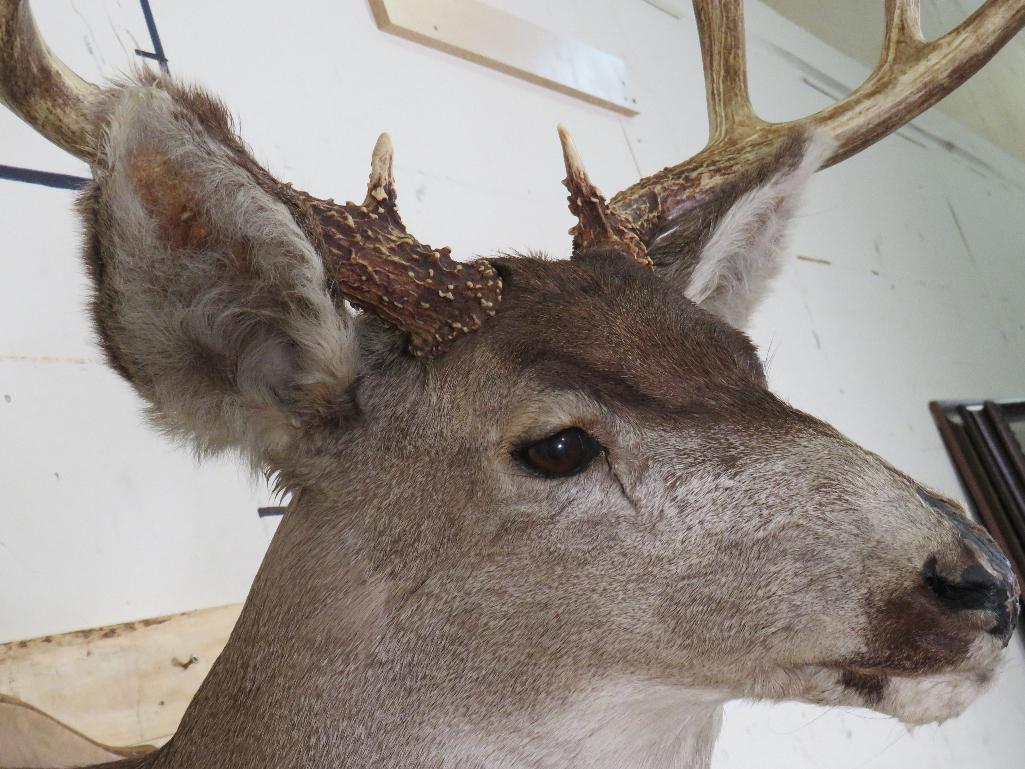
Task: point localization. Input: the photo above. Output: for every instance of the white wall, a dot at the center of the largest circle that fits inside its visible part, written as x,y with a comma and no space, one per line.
102,521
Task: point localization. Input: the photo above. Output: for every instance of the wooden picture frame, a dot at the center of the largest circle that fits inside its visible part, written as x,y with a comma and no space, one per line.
491,37
989,459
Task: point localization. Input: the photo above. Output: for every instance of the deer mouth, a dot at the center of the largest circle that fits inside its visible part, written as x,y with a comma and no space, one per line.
914,697
920,699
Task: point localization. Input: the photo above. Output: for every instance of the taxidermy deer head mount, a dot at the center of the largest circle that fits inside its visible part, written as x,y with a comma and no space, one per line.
545,513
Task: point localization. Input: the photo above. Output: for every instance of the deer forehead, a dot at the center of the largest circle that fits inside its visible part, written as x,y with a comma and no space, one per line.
603,328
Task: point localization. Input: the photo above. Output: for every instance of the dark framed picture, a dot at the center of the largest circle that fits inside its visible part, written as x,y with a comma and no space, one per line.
986,442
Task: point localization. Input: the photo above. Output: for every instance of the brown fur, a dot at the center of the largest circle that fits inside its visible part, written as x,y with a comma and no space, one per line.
428,601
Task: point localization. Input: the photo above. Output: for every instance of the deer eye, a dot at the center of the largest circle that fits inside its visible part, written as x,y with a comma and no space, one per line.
565,453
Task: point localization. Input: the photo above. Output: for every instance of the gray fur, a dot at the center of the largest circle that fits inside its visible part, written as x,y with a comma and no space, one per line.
427,600
744,251
231,339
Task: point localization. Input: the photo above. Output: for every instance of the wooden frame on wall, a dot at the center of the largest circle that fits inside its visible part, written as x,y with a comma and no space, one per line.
491,37
986,443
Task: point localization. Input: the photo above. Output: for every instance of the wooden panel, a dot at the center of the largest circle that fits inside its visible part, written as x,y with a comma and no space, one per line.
488,36
120,685
29,738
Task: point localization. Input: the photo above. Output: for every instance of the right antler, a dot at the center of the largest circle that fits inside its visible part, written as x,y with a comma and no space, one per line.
377,264
672,207
913,74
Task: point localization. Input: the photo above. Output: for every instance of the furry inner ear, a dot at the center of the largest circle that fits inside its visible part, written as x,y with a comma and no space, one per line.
743,248
211,297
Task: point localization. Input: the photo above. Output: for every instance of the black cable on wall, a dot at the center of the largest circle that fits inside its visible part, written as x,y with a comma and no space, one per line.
69,181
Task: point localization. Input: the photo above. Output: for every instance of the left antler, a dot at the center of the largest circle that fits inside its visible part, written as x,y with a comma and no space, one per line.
38,87
377,265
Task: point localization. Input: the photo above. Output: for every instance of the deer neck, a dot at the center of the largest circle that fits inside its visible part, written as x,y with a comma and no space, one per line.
614,724
334,667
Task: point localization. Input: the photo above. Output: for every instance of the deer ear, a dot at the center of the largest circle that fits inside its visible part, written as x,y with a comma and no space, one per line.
742,241
211,296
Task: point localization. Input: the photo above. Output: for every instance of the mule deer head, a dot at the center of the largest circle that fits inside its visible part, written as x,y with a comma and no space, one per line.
544,513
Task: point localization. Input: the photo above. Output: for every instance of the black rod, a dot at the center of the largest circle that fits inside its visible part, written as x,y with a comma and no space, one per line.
44,178
154,36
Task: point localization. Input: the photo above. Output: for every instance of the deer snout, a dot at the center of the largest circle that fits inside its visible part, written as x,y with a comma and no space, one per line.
981,580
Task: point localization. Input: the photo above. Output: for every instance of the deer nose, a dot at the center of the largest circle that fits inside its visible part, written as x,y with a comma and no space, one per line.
977,588
986,583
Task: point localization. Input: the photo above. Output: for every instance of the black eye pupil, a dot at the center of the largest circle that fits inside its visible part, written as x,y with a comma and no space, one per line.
566,453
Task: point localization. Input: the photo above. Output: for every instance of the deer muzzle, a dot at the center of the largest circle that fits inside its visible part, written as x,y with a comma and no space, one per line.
980,583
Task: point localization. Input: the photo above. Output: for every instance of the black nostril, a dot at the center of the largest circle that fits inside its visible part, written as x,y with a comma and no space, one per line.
975,589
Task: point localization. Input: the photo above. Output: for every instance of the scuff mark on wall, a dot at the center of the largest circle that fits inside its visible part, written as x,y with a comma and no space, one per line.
827,84
89,36
970,158
960,231
816,87
903,135
629,147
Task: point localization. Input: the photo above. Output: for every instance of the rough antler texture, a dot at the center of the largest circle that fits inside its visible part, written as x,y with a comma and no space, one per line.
382,268
668,210
597,226
376,264
422,291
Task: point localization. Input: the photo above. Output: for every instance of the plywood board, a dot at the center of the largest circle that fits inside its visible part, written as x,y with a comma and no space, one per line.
120,685
496,39
30,738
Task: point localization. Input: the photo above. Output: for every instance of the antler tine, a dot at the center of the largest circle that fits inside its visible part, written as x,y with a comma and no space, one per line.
381,195
382,184
903,28
379,267
723,54
39,87
597,226
912,75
